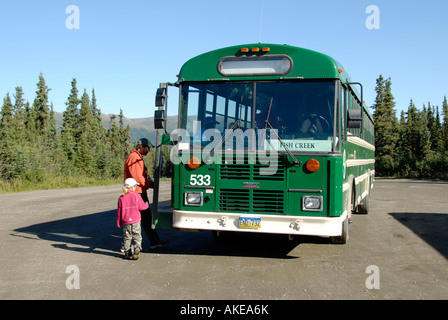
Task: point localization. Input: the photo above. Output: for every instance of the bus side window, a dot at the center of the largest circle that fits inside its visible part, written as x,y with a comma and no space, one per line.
210,103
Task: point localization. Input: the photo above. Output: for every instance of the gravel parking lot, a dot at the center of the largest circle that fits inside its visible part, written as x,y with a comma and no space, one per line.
64,244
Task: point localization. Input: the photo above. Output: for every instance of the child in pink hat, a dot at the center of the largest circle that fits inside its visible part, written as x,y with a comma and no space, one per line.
128,217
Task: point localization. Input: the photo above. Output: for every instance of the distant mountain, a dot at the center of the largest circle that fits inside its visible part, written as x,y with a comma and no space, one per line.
144,127
140,127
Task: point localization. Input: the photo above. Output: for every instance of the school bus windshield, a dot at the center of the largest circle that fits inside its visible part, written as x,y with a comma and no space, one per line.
301,112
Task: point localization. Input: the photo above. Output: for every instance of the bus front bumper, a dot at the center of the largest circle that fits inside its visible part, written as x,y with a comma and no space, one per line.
295,225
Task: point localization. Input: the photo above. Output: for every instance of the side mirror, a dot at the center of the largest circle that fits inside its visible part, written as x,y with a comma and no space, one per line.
354,118
159,119
160,97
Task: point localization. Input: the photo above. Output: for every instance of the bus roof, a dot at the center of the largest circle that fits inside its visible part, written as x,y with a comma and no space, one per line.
307,64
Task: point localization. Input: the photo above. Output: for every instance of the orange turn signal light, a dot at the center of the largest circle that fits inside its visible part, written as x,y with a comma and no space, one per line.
312,165
265,49
193,163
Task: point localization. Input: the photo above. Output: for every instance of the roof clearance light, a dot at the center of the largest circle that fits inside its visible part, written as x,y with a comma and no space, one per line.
255,49
194,163
244,50
312,165
340,70
266,49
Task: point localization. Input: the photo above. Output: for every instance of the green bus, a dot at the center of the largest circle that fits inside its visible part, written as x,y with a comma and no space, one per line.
269,139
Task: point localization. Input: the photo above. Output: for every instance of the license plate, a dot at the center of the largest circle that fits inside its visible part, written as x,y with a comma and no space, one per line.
250,222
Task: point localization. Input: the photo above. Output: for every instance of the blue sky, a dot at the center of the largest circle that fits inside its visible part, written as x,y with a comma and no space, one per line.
123,49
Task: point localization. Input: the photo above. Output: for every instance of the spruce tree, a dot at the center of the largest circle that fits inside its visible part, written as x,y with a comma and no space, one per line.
54,144
85,156
434,128
41,108
7,120
19,117
30,127
402,147
125,136
411,134
438,125
70,126
99,131
22,144
424,147
52,130
445,125
114,158
386,128
7,139
43,153
95,110
418,140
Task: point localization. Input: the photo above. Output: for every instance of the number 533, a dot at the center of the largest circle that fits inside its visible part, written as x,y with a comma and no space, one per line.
200,180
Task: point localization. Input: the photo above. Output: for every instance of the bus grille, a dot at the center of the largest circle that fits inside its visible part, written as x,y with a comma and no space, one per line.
272,171
268,201
235,172
263,201
234,200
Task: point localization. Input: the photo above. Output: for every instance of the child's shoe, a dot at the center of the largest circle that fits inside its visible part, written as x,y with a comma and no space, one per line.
130,256
136,252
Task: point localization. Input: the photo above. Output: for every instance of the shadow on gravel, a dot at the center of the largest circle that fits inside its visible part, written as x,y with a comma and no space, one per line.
98,233
234,244
431,227
93,233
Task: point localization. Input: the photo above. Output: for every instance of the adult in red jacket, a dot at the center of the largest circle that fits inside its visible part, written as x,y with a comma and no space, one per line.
134,167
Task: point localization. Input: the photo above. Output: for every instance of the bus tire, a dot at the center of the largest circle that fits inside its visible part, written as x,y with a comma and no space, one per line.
364,206
343,238
353,206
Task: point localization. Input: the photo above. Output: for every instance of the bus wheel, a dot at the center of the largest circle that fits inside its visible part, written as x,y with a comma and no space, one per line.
342,239
364,206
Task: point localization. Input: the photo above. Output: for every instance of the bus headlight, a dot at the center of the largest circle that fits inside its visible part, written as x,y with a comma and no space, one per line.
312,203
193,199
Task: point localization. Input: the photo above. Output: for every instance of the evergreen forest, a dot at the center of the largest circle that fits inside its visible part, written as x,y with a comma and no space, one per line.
415,145
35,154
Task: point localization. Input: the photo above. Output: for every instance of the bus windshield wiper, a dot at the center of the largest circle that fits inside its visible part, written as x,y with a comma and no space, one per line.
267,123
